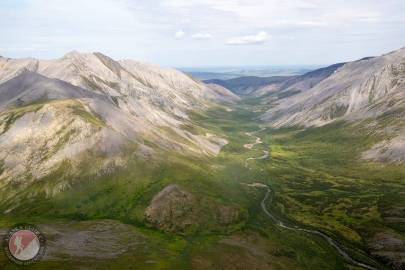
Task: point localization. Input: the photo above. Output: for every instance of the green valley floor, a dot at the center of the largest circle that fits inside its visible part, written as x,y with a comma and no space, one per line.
319,183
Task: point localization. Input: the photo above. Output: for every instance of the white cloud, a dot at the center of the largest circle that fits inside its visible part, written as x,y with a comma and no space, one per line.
259,38
179,34
354,28
202,36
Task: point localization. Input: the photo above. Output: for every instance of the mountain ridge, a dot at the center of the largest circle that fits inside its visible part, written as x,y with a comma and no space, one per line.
74,107
371,89
344,81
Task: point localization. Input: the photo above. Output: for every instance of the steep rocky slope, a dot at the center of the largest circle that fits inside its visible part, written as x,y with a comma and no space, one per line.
355,88
89,106
134,86
371,88
297,84
222,91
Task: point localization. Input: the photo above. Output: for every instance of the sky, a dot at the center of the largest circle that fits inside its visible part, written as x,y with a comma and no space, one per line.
204,33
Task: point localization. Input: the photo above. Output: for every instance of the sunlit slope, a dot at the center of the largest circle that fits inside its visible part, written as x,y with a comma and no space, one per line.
371,90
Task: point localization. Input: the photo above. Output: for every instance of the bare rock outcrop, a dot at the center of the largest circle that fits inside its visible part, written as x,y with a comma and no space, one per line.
389,248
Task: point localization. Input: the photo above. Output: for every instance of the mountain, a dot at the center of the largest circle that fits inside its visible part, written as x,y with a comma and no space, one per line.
87,106
354,90
30,87
297,84
370,89
222,91
247,85
147,92
117,79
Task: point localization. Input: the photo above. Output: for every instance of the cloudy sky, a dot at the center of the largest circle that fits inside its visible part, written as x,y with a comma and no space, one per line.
203,33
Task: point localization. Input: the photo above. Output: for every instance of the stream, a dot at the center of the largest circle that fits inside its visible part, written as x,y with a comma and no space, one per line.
269,196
